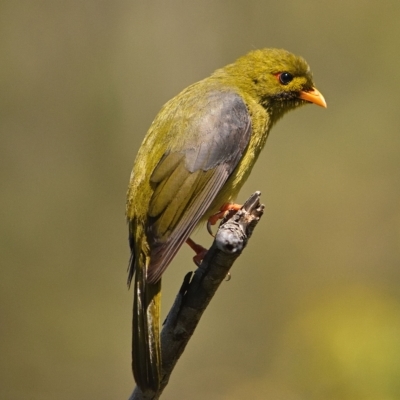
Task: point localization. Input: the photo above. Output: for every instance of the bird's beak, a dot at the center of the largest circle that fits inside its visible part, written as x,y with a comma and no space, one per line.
313,96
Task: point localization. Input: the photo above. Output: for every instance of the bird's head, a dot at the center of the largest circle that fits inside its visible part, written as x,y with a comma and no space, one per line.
277,79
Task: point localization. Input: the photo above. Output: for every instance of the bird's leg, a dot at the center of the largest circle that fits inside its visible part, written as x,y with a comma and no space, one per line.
198,249
225,210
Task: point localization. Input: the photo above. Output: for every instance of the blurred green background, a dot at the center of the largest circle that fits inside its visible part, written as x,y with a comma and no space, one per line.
313,307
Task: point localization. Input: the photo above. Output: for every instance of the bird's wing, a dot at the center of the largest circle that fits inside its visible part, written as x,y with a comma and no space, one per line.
187,180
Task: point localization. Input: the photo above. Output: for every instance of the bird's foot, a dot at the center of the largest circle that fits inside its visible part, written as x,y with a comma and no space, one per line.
198,249
227,210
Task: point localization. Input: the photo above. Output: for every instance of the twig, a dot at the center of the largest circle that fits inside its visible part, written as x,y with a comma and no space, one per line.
199,288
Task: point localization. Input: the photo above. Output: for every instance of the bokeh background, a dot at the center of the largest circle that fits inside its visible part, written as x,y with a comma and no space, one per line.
313,307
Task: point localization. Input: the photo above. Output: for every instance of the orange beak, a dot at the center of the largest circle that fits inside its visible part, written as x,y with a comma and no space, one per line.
313,96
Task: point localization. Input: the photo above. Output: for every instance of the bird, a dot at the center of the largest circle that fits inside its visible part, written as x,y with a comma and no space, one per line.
195,157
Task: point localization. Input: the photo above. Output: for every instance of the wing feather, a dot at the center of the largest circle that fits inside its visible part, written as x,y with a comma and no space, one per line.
163,253
187,180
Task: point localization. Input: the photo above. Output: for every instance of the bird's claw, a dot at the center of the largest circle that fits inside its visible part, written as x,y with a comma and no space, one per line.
209,229
227,210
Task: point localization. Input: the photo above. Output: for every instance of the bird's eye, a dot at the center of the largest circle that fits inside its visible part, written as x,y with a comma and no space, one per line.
285,78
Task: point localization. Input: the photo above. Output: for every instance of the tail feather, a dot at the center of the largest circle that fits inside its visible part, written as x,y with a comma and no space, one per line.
146,351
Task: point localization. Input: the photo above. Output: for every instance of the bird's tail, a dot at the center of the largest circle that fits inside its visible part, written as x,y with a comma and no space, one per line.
146,351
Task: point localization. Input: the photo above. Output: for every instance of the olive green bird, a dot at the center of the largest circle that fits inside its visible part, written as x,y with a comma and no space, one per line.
197,154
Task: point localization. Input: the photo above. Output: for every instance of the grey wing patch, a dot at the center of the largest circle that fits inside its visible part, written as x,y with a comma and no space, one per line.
191,178
225,132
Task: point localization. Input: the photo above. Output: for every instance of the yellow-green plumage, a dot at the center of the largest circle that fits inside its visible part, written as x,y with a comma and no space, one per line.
195,157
